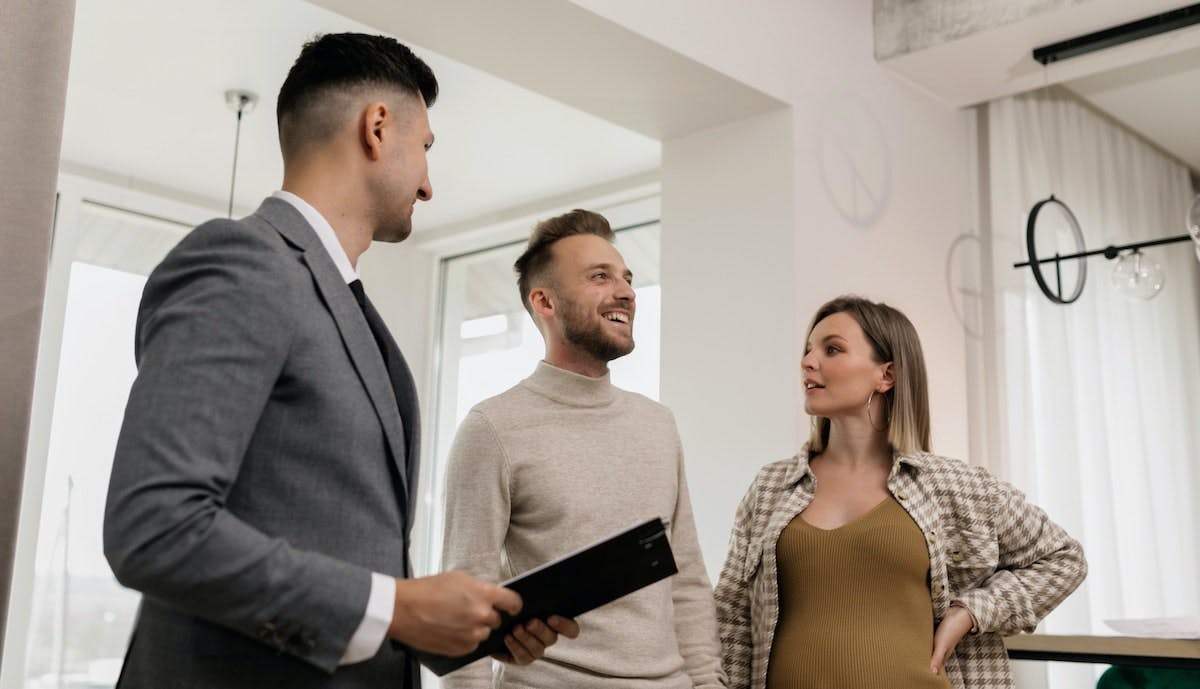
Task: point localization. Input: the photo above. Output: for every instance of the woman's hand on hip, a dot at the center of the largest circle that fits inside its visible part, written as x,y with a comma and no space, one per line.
953,628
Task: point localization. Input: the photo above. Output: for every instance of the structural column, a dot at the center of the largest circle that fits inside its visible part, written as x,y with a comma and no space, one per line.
35,50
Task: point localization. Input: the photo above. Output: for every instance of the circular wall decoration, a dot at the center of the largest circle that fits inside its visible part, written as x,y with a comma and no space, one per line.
964,264
1055,296
854,160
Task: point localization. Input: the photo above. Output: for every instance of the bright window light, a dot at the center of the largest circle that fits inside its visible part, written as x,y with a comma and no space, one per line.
483,327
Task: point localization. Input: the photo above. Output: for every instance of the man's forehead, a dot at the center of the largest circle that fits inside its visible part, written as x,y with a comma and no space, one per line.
588,249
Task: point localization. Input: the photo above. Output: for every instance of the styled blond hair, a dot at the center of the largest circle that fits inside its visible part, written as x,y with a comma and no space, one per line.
893,338
534,264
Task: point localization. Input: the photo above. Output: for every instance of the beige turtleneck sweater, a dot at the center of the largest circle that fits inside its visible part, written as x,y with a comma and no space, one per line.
553,464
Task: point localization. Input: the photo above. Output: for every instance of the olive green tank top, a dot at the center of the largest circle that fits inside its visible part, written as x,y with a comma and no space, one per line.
854,605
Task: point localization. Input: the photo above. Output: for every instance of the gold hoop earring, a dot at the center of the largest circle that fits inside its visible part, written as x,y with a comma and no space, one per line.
887,419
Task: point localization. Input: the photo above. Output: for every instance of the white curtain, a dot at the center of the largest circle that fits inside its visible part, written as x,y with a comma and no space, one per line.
1095,404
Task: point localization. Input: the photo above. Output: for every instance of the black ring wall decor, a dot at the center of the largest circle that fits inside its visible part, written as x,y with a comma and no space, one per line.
1035,264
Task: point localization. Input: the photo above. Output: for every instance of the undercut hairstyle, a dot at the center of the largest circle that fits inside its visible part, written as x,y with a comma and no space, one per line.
892,338
332,68
533,267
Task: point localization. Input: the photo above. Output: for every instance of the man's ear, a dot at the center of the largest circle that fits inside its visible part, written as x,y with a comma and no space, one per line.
541,302
374,120
889,377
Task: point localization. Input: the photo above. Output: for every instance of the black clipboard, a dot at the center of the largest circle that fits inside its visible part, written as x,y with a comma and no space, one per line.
576,583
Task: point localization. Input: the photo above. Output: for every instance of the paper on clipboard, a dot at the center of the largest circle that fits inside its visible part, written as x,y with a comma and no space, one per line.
1187,627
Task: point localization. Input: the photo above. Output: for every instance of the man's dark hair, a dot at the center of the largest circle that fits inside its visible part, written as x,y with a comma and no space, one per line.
340,62
533,265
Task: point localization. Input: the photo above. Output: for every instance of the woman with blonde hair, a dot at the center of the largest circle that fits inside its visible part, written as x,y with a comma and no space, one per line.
868,562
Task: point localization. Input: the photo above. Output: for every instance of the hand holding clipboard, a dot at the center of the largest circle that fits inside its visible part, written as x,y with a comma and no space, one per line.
576,583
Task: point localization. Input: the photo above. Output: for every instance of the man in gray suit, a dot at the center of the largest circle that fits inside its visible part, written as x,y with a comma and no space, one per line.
264,483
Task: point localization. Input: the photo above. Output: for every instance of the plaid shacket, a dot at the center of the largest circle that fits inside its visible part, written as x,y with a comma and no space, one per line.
989,550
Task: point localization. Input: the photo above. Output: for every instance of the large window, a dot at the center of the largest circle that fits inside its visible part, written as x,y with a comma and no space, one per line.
70,620
488,343
81,616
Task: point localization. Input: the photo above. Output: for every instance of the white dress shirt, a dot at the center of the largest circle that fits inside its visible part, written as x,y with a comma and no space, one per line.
365,642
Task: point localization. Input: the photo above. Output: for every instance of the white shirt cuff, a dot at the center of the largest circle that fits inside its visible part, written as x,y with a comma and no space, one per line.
378,617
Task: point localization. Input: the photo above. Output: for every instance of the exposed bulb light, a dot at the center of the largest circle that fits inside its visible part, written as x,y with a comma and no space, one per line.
1138,277
1193,224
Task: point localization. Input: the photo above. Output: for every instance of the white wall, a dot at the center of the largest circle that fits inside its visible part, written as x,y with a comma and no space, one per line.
729,360
881,227
400,279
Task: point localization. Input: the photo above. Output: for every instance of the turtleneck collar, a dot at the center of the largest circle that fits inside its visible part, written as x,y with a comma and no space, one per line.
570,388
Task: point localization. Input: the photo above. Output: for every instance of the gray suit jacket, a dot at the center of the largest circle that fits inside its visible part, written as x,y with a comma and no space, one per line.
265,467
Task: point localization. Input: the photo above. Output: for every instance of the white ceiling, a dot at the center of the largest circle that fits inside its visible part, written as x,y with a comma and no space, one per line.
1151,85
996,61
576,55
1158,98
145,102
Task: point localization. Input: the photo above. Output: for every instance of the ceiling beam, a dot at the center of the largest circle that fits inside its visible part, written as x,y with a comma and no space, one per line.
567,53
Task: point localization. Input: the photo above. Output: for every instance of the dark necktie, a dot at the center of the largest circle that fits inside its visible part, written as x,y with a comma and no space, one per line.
374,322
396,370
380,333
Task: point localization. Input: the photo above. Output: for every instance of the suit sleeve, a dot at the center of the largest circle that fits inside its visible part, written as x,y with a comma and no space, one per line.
1038,566
733,597
478,506
214,331
692,595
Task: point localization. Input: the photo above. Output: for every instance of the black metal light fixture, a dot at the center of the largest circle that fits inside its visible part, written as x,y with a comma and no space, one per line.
1117,35
1134,276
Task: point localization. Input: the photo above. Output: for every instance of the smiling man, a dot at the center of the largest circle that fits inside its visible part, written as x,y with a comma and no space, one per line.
563,459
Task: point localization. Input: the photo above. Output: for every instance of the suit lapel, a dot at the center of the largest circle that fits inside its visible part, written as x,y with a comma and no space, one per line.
364,354
356,334
405,389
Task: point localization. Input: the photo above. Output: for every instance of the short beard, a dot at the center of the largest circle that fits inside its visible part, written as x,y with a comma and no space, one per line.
594,341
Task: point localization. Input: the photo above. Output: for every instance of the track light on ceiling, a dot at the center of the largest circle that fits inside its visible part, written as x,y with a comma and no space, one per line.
241,102
1117,35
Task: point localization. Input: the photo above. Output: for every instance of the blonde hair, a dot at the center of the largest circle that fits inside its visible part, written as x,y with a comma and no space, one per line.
534,264
893,338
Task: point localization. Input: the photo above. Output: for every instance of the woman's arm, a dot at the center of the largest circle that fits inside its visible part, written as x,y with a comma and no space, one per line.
1038,566
733,597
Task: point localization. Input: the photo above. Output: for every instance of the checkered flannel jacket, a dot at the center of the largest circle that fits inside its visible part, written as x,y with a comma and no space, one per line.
989,550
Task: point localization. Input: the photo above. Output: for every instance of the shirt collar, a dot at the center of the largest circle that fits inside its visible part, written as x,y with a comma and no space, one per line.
324,232
800,468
